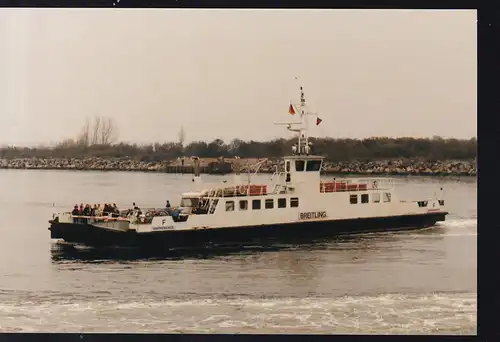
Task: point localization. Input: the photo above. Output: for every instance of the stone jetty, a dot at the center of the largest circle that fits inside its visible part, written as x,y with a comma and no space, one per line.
383,167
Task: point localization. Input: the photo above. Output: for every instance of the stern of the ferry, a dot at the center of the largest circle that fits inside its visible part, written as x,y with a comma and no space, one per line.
81,230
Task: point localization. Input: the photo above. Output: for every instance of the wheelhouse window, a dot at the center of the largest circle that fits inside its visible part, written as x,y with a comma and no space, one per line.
244,205
387,197
376,197
365,198
299,165
269,203
294,202
281,202
313,165
229,205
189,202
353,199
256,204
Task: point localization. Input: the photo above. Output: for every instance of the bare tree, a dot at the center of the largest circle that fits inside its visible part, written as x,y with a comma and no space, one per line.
95,131
84,137
107,131
182,136
103,132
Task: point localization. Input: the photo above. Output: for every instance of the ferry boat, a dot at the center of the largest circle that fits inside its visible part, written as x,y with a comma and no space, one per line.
298,205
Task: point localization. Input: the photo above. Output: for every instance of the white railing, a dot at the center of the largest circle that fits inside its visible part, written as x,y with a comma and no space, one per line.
362,184
278,185
377,183
235,190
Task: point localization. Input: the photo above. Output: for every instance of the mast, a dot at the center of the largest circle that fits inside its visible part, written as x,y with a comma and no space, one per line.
303,138
302,146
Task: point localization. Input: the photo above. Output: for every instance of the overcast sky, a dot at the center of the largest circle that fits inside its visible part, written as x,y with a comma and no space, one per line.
229,74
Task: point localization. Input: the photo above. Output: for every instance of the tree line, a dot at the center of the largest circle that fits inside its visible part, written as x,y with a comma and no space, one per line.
99,139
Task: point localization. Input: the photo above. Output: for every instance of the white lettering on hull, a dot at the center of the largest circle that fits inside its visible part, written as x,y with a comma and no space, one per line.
312,215
162,228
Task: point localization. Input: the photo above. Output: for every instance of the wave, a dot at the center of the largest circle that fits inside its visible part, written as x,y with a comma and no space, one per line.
459,223
446,313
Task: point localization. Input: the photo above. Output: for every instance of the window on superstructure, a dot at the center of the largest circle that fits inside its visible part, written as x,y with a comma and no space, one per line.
281,202
269,203
299,165
365,198
387,197
353,199
376,197
313,165
287,166
422,203
294,202
189,202
256,204
229,205
243,205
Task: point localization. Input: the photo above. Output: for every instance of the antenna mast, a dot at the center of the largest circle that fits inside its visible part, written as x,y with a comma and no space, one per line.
303,139
303,136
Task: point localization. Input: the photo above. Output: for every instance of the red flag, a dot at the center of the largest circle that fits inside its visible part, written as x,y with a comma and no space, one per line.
291,110
318,121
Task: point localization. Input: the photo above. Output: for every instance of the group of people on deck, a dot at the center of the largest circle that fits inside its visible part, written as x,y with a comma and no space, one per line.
106,209
95,210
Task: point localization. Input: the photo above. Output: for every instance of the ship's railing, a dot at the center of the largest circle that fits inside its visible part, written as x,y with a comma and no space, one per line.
377,183
124,215
234,190
361,184
278,185
82,219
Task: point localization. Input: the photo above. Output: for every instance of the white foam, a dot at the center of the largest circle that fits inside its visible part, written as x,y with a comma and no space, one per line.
459,223
388,313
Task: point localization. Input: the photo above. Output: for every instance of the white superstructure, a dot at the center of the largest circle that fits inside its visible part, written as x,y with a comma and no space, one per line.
295,195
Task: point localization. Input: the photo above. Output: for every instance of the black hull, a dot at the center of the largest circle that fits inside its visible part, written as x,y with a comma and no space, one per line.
256,235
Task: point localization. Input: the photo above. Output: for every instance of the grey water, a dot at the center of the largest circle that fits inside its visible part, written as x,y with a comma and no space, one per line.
417,282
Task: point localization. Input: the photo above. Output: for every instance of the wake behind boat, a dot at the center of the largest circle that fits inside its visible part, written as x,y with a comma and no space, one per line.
296,206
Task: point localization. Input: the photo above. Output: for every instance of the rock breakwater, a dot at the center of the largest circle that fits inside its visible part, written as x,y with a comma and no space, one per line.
406,167
383,167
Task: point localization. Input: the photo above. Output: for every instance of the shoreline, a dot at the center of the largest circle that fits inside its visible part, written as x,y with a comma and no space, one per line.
411,167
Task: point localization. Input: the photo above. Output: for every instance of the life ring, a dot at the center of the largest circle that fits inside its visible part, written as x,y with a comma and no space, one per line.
375,184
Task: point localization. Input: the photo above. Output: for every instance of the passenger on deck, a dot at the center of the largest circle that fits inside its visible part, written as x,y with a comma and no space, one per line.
93,211
168,204
99,210
115,211
75,211
176,213
86,210
135,207
310,147
80,210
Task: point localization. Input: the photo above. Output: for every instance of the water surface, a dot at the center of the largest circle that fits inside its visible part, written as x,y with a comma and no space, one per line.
406,282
